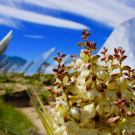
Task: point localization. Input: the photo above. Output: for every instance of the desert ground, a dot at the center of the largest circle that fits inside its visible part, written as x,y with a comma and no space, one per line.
13,91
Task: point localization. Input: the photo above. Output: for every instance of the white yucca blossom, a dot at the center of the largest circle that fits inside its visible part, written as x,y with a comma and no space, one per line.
95,100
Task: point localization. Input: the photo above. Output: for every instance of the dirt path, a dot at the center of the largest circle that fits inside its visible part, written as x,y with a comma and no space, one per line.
33,116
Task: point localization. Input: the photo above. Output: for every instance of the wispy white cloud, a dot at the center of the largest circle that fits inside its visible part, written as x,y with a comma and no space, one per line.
10,22
108,12
29,16
34,36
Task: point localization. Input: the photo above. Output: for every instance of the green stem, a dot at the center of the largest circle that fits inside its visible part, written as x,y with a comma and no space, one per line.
95,83
120,71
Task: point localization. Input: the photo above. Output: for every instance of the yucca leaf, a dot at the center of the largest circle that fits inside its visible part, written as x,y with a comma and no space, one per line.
45,112
1,133
48,129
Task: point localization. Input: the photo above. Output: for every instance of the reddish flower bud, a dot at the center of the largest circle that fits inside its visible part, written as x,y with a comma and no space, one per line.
126,73
93,78
113,120
126,68
100,89
85,51
87,78
115,75
55,70
88,34
50,96
55,84
52,91
103,85
58,66
122,110
84,32
80,44
103,59
95,57
65,73
88,87
87,66
133,88
120,49
63,55
106,50
110,57
123,52
124,57
124,79
116,103
58,53
116,51
84,37
70,84
75,55
102,53
130,114
132,76
133,82
127,104
60,60
118,94
117,56
112,80
55,58
123,100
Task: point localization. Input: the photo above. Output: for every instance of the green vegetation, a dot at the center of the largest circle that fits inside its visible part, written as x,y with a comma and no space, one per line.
44,95
14,122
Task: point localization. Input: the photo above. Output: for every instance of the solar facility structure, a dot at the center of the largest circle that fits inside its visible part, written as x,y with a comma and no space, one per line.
4,42
26,66
33,69
123,36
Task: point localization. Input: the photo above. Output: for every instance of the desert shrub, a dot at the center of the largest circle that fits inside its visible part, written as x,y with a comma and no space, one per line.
14,122
45,95
48,79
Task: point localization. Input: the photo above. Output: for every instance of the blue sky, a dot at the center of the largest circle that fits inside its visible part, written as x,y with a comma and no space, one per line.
39,25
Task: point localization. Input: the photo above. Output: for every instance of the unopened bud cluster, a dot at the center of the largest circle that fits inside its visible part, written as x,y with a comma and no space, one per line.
95,100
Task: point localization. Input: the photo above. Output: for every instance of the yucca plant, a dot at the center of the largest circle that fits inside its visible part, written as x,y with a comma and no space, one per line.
95,100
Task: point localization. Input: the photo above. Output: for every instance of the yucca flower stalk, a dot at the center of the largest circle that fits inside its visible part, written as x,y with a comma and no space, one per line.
95,100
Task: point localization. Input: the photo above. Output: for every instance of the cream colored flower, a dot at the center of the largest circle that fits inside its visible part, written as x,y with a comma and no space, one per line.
79,62
65,80
58,131
82,93
111,84
125,132
85,117
84,131
94,93
111,94
71,128
75,112
107,107
102,74
91,109
106,132
84,74
122,82
62,106
83,54
100,109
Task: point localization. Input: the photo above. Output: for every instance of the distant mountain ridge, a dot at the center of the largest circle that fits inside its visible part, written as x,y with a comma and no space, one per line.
14,60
